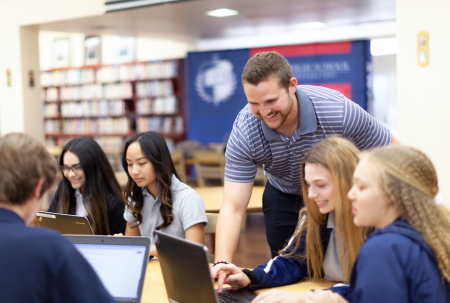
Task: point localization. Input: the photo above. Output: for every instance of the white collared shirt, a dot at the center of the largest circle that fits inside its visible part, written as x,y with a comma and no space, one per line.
331,262
80,209
188,210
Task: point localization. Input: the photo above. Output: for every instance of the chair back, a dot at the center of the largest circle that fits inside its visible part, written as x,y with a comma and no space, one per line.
180,165
211,229
260,178
209,165
122,178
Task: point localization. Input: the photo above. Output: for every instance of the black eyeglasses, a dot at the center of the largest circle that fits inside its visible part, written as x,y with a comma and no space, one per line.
76,169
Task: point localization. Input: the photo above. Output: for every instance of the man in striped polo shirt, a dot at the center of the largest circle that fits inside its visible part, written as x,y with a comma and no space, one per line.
280,123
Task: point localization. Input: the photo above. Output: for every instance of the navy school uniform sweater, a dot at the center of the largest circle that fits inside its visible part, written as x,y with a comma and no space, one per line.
395,265
39,265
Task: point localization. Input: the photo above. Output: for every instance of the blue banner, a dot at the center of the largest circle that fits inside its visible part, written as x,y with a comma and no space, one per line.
214,89
214,93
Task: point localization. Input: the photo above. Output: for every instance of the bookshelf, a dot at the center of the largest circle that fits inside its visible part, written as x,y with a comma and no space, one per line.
110,103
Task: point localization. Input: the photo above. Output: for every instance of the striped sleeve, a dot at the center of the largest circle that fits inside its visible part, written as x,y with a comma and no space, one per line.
240,166
361,128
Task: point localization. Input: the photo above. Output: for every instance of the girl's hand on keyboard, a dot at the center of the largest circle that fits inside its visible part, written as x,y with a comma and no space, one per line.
229,274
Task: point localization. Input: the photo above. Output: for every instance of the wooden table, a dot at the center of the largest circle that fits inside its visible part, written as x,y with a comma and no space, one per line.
155,291
213,196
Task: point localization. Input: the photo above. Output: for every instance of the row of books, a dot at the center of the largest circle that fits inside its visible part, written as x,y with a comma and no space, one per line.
128,72
139,71
154,88
102,108
68,77
51,94
160,124
51,110
97,91
88,126
157,106
111,145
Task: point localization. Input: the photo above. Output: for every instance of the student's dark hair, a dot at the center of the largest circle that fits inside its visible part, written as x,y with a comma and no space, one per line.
265,65
100,182
155,149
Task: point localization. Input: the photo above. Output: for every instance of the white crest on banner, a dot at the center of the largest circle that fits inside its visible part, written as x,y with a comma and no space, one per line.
218,75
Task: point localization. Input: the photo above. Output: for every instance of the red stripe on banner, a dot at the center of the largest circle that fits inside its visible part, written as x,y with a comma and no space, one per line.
307,49
344,88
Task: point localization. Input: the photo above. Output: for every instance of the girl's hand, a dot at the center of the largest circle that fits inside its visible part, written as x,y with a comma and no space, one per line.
325,296
282,296
229,274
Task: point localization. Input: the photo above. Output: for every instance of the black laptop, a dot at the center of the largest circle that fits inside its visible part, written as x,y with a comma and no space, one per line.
186,273
65,224
120,263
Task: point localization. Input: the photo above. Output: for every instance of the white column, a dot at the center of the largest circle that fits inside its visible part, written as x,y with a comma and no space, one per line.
424,92
20,104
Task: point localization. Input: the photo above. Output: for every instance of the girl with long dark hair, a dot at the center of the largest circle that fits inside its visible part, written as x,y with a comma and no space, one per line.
89,187
155,198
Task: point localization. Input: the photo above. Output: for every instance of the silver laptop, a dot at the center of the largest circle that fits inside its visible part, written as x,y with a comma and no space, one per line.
186,273
65,224
120,263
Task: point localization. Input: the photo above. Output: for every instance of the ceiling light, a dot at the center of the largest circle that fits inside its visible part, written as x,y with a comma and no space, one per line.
312,25
222,12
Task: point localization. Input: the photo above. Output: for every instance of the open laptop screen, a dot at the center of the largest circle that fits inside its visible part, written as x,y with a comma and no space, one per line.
118,266
120,263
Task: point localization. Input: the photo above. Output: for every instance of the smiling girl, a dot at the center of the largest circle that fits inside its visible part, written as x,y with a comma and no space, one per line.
155,198
314,250
89,187
407,257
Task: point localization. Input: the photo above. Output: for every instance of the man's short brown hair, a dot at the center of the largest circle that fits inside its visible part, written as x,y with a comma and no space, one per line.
264,65
23,162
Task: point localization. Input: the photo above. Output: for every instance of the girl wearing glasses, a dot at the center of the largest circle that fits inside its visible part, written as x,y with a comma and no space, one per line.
155,198
89,187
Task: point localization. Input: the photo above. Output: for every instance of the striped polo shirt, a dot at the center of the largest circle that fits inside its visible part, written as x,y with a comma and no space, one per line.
322,112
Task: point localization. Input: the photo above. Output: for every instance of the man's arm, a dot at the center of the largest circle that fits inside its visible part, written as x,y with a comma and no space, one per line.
394,139
234,205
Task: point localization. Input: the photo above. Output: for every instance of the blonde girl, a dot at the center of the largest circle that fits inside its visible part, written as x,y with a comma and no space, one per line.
326,242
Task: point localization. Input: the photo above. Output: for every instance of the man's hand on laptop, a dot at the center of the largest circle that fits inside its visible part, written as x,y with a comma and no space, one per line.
229,274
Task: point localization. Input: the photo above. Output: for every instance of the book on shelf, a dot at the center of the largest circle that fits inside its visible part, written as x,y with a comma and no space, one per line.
51,110
160,124
158,105
93,108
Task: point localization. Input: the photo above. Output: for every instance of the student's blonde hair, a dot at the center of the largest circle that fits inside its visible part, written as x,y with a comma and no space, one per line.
407,178
340,157
23,162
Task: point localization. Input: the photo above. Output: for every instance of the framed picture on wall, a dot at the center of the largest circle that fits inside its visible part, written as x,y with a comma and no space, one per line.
61,53
124,49
92,50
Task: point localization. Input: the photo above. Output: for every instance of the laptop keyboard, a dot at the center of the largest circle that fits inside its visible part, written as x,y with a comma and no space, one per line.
227,298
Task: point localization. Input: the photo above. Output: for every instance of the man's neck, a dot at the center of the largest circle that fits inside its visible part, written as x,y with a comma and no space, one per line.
290,125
